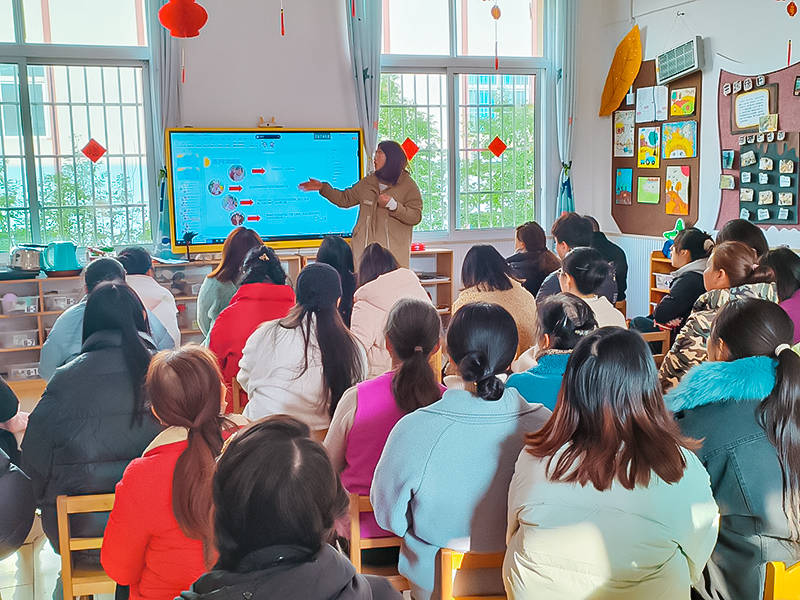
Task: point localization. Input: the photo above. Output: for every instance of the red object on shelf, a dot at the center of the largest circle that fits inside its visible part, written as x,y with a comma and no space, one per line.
93,150
497,147
410,148
183,18
417,247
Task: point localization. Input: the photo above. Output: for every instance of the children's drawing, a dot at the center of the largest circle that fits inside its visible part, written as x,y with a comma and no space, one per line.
680,139
624,133
649,146
624,187
648,190
682,102
676,189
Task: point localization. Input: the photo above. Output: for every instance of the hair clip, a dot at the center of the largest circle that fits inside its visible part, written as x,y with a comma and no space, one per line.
263,257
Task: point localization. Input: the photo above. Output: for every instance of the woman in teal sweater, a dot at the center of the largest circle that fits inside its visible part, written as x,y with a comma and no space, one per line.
442,480
221,284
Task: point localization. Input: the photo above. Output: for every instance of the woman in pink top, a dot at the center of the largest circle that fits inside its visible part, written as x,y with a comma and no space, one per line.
786,265
367,412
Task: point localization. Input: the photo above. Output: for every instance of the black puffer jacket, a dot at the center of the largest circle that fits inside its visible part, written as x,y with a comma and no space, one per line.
16,506
531,268
290,573
9,406
84,432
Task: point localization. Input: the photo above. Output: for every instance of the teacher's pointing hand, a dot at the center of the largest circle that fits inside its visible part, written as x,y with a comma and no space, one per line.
312,185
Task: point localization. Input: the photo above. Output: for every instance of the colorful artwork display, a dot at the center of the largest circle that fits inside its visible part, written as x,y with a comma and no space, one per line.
649,146
679,139
727,159
624,133
676,187
681,103
624,187
648,190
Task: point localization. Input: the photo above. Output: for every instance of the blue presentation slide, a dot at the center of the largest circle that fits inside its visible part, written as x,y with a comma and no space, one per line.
224,179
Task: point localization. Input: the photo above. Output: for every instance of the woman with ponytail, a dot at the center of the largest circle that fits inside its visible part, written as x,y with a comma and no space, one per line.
732,273
743,404
302,364
159,537
443,476
262,296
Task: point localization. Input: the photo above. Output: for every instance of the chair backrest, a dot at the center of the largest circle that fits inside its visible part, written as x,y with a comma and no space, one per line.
81,582
236,396
662,336
450,562
359,505
782,583
435,362
622,306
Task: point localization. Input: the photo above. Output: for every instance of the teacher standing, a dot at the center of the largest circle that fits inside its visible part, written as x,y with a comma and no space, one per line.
389,204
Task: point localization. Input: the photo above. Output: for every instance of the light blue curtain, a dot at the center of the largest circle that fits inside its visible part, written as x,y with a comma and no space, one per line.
364,36
564,33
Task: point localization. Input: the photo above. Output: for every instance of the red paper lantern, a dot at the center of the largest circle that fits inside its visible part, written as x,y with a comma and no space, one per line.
183,18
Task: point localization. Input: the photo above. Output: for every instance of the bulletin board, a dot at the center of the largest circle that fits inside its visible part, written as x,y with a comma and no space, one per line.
631,214
779,146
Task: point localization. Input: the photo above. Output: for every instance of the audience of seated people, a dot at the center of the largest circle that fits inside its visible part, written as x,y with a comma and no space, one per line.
564,320
732,273
160,551
689,256
276,499
785,264
262,296
64,341
583,271
608,499
742,404
614,255
336,252
443,476
572,231
532,261
367,412
302,364
220,285
155,297
486,277
381,283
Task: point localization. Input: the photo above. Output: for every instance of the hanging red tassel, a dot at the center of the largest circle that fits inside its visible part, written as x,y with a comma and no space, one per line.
353,8
183,65
496,16
283,22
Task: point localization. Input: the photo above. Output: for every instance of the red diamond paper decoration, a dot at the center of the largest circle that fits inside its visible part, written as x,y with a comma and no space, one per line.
410,148
497,147
93,150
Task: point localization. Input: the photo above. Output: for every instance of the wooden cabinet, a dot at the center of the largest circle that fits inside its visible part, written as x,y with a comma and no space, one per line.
660,275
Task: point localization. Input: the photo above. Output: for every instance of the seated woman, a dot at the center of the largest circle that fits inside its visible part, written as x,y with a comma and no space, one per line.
221,284
381,283
301,365
689,256
786,266
742,404
746,232
532,261
276,498
13,422
583,271
368,412
486,277
334,251
17,506
262,296
564,320
731,274
160,551
92,419
442,480
607,499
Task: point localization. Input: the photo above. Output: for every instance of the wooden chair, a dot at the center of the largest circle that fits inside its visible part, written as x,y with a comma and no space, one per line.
450,562
436,364
659,336
236,396
622,306
359,505
81,581
782,583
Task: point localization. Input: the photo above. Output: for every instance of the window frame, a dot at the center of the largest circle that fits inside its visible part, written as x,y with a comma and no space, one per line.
452,66
24,54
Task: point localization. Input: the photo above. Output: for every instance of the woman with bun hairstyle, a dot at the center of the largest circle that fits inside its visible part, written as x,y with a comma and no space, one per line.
160,551
262,296
334,251
786,266
389,204
583,272
608,499
533,261
444,473
564,320
743,404
689,256
732,273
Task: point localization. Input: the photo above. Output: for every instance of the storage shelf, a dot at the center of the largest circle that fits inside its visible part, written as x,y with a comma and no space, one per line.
23,349
36,314
436,281
659,290
443,310
661,260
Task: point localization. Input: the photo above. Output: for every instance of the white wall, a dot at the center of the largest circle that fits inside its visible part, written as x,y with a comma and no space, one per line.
240,68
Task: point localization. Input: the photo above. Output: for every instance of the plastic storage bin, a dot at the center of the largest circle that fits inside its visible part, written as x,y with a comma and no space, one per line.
663,280
60,301
20,304
22,372
19,339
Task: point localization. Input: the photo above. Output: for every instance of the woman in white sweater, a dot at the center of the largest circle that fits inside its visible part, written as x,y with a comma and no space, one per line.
301,365
583,272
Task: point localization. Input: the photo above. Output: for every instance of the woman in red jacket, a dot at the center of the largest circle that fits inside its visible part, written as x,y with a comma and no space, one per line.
158,539
262,296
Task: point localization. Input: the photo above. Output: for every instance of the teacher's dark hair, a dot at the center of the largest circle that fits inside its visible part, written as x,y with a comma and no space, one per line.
396,162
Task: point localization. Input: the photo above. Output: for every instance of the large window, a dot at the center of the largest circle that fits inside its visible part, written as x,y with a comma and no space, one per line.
474,121
73,77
